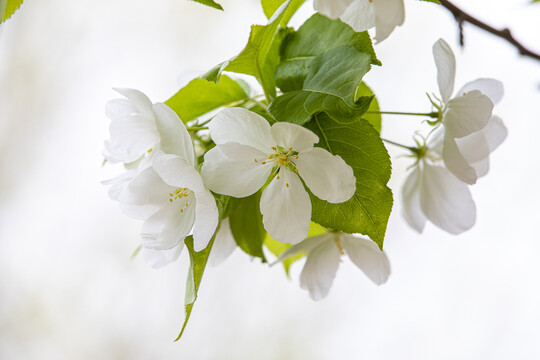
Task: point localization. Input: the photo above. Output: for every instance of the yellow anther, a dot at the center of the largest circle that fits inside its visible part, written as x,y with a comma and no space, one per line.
270,157
170,200
296,156
278,177
149,150
287,184
295,170
255,160
187,204
264,162
181,210
274,148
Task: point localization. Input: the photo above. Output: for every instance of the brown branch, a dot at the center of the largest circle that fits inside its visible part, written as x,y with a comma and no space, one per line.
461,16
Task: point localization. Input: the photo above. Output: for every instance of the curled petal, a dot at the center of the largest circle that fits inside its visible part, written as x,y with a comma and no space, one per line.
327,176
456,163
118,183
467,113
224,243
304,247
446,201
411,201
289,135
168,227
495,132
286,208
332,8
174,136
360,15
446,68
389,14
492,88
320,270
367,256
131,137
231,169
119,107
160,258
206,219
241,126
139,101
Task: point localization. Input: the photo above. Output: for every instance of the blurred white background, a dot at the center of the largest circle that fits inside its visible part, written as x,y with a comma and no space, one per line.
68,289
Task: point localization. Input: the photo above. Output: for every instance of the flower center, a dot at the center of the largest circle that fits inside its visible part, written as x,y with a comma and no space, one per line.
179,194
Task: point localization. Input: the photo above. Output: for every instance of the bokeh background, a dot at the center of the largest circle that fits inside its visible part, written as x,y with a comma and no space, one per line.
69,290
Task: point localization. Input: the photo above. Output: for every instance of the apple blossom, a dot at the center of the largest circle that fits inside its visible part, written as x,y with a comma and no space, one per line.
362,15
323,257
464,116
248,151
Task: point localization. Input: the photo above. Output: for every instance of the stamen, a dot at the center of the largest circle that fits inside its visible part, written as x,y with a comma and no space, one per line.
181,210
277,177
149,150
170,200
264,162
255,160
287,184
290,148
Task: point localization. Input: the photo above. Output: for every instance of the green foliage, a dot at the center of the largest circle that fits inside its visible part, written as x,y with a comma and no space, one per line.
210,3
198,262
316,36
277,248
201,96
254,59
247,226
373,118
360,146
8,7
270,7
329,87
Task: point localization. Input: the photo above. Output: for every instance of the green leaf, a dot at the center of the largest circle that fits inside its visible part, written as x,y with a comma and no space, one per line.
247,226
329,87
277,248
271,6
361,147
254,59
8,7
373,118
198,262
210,3
201,96
299,49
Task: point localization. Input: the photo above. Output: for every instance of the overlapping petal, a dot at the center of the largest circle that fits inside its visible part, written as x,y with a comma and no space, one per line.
173,134
389,14
327,176
467,113
160,258
412,212
446,68
332,8
367,256
224,244
320,270
492,88
286,208
293,136
360,15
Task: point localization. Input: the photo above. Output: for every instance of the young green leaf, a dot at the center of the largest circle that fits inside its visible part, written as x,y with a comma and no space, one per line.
329,87
254,59
201,96
7,8
300,48
270,7
210,3
247,226
372,114
360,146
198,262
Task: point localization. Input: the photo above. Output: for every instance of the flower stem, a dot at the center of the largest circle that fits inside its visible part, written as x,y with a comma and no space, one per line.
398,144
197,128
431,114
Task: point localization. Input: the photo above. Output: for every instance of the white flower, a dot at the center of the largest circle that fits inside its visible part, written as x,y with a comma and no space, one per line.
361,15
470,131
248,151
224,244
323,257
169,195
138,128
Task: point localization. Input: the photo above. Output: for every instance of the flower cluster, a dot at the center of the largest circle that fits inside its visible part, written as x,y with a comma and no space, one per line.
457,154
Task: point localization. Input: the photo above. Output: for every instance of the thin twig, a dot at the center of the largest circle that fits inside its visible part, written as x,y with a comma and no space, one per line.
461,16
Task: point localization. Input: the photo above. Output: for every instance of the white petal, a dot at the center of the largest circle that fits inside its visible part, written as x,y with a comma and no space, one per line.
119,107
168,226
117,184
360,15
327,176
231,169
177,172
242,126
456,163
389,14
411,201
446,201
160,258
286,208
131,137
368,257
320,269
332,8
446,68
206,219
224,244
466,114
495,132
144,195
492,88
293,136
304,246
139,101
174,136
